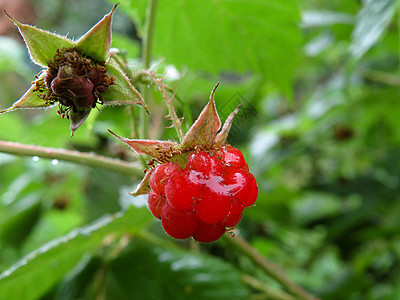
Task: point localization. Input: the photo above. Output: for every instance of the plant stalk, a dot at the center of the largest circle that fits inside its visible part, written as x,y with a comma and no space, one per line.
269,292
176,122
268,267
147,48
82,158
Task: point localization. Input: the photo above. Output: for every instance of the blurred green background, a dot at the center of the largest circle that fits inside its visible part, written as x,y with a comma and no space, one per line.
319,83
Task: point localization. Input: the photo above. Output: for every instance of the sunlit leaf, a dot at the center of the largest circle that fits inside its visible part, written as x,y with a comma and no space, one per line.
122,92
20,223
29,100
143,268
36,273
42,45
258,36
78,280
372,21
96,42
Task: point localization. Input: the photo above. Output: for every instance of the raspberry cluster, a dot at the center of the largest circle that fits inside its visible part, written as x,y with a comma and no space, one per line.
205,198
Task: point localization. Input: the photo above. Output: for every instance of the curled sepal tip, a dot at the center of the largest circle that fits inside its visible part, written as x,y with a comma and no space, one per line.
206,126
144,186
77,118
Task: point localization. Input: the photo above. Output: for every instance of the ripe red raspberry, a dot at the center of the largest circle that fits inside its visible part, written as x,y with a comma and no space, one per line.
207,233
242,185
161,175
213,207
184,190
178,223
156,203
233,157
205,198
235,214
203,162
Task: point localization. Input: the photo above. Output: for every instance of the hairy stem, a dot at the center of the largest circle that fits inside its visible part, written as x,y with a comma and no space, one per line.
132,108
176,122
82,158
147,48
148,38
269,268
381,77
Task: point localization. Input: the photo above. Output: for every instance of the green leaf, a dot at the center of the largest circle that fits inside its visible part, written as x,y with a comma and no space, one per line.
126,46
42,45
20,223
97,41
148,272
37,273
122,92
102,192
260,36
77,281
372,21
29,100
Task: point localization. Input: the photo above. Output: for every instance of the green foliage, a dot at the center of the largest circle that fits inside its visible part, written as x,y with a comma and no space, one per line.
193,276
17,226
372,21
30,278
225,36
327,164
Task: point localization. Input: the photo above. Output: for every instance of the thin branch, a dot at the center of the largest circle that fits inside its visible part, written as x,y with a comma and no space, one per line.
147,48
148,38
261,286
82,158
381,77
269,268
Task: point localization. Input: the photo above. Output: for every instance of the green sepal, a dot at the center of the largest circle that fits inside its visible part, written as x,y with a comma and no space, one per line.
122,91
97,41
77,118
29,100
153,148
42,45
144,186
205,128
221,137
